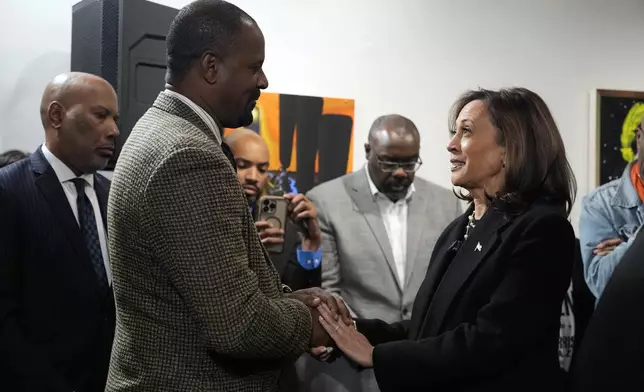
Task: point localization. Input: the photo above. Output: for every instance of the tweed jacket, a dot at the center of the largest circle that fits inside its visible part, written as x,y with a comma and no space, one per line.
199,304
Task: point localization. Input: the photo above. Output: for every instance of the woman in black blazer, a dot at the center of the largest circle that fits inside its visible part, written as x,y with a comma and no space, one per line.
486,317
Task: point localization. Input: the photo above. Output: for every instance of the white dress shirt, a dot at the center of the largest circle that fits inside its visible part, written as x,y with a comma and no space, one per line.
203,115
394,216
65,176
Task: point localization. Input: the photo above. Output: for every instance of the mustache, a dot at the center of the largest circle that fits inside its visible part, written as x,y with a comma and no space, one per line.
398,183
251,185
256,95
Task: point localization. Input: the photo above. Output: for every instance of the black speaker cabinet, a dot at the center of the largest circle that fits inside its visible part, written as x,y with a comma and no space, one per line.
123,41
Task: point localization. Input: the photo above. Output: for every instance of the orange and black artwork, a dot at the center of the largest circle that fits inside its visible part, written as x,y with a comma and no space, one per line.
310,139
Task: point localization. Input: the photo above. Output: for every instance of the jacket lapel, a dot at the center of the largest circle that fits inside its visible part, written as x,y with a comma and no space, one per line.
471,254
52,191
101,187
366,204
442,256
416,219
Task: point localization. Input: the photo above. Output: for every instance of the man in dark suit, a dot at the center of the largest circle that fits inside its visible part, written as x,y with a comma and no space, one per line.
200,305
299,262
611,356
56,303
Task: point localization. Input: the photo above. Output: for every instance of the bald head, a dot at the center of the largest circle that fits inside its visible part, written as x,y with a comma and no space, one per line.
242,135
252,157
68,88
393,153
393,125
79,112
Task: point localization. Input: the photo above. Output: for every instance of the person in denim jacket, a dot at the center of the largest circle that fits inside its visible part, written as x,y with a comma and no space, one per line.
611,216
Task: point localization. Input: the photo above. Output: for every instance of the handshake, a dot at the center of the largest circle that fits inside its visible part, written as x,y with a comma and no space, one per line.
316,298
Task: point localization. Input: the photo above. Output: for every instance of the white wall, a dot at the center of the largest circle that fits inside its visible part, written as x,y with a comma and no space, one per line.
409,56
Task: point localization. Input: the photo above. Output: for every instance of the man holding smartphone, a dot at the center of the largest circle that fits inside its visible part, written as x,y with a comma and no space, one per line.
299,261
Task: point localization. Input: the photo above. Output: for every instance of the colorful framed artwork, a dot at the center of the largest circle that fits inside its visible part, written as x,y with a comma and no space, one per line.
617,116
310,139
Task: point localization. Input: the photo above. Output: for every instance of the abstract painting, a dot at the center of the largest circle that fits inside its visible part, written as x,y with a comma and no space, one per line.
618,115
310,139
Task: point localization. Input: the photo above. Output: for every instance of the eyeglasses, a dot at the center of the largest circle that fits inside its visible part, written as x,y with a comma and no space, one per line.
408,167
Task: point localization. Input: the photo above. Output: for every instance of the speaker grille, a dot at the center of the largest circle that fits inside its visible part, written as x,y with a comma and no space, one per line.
110,42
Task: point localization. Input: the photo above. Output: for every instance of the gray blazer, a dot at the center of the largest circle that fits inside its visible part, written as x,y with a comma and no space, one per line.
198,302
358,263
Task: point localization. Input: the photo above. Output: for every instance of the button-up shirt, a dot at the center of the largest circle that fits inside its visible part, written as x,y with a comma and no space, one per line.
394,217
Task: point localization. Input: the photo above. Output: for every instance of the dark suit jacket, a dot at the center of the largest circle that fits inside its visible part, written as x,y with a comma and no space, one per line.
611,356
56,329
291,272
200,305
486,318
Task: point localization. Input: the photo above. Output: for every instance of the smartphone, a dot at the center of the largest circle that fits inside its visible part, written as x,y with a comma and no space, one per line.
274,210
302,225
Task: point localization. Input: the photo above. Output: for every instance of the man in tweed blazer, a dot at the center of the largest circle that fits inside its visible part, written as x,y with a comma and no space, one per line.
199,304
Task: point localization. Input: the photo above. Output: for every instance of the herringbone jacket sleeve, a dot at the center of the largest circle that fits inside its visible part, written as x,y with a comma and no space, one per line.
194,207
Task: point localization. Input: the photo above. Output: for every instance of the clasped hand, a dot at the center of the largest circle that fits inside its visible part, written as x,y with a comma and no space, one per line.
351,342
334,309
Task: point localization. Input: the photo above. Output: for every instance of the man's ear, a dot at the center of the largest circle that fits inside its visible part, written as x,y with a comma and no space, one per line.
55,114
210,67
367,150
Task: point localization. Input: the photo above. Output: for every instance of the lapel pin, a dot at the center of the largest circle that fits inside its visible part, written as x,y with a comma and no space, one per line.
478,247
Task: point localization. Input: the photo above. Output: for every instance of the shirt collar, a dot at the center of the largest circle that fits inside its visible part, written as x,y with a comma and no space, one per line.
626,194
376,192
63,172
205,117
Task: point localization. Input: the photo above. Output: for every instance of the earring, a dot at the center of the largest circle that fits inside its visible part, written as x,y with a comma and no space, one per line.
503,163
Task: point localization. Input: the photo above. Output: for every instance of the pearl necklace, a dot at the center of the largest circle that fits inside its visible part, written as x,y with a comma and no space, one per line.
470,226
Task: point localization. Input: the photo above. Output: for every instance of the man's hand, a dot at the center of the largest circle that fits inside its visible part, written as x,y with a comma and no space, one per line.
324,354
301,209
315,296
269,234
319,336
607,246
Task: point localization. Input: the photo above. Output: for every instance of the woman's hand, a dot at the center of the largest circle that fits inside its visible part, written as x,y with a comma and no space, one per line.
352,343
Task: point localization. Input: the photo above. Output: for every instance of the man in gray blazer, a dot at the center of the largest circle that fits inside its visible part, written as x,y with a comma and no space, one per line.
379,225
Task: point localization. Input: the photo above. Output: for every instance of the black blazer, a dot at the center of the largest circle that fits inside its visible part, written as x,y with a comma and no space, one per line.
291,272
611,356
486,318
56,330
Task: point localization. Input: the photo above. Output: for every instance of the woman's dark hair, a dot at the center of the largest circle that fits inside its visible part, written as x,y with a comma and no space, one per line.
11,156
535,157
